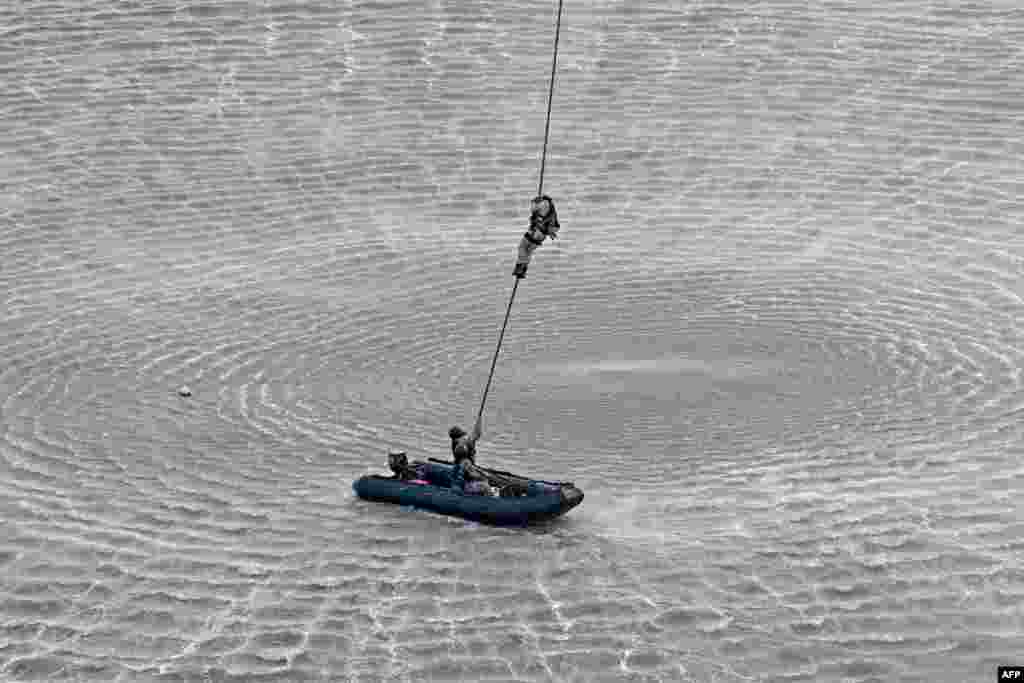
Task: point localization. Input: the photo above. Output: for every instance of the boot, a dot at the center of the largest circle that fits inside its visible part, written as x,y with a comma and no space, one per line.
520,270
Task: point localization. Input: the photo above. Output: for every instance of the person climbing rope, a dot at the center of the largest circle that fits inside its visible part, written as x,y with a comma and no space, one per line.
466,477
543,218
543,223
464,445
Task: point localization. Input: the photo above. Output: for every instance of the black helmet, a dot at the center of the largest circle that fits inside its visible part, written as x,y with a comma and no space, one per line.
456,432
461,452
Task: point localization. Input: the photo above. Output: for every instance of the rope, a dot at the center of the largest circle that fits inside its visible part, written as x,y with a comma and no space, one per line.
551,96
540,190
495,361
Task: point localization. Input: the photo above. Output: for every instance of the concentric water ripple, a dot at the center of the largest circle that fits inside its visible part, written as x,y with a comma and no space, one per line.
778,343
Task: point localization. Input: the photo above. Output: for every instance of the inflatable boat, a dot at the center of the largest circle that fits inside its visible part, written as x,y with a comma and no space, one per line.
519,501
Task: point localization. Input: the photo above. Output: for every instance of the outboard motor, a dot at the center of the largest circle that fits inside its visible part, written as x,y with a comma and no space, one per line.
397,461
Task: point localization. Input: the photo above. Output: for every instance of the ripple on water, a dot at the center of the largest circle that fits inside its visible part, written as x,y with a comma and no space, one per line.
817,329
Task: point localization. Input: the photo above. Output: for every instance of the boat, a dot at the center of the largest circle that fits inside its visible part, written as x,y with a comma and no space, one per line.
522,501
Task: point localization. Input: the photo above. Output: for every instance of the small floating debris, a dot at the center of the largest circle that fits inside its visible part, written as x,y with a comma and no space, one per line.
184,391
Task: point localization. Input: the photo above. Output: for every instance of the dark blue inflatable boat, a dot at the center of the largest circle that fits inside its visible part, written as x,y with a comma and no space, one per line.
522,501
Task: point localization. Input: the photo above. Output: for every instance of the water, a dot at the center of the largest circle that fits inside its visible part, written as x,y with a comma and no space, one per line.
779,343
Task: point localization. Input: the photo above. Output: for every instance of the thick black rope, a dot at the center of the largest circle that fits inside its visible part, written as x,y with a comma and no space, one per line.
551,96
540,191
495,361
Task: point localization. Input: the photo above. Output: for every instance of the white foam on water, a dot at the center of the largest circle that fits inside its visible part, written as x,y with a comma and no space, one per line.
732,369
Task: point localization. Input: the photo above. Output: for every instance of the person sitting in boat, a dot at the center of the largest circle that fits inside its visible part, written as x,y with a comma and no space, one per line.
468,478
399,465
543,223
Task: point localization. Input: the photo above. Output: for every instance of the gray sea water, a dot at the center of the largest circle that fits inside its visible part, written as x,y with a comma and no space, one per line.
779,343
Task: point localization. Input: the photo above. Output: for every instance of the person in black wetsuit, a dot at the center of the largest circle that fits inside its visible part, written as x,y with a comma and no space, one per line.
463,444
464,452
543,224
